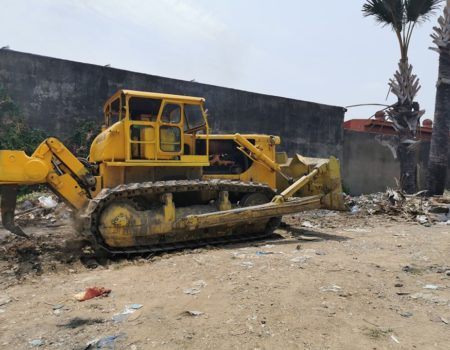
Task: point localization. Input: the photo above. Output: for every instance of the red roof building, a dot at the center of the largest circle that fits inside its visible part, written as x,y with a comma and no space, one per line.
381,126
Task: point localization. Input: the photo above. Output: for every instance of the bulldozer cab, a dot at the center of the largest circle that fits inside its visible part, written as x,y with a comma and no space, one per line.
158,127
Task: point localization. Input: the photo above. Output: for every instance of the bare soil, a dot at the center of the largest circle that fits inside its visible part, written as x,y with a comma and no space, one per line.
327,281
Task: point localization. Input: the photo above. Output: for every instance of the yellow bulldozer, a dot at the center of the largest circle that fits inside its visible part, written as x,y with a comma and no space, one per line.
156,179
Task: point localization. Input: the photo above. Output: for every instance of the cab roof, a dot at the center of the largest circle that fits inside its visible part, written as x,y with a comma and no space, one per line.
155,95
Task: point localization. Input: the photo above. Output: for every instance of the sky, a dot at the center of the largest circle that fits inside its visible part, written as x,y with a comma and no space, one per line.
321,51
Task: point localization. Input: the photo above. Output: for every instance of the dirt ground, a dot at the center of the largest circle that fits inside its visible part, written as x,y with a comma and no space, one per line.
327,281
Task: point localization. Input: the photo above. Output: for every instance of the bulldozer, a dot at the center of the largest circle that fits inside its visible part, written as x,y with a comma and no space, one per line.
157,178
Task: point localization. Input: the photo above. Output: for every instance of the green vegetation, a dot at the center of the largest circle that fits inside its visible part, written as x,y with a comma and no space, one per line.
79,142
15,132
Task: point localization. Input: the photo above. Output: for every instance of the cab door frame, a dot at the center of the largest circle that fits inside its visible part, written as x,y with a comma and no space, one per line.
161,154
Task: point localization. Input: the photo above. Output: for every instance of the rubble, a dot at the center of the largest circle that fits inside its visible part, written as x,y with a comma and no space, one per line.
414,208
41,209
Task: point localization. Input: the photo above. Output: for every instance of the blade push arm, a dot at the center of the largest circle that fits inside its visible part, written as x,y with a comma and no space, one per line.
256,154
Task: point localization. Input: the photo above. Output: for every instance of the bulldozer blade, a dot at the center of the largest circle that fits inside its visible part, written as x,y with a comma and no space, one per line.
8,207
239,216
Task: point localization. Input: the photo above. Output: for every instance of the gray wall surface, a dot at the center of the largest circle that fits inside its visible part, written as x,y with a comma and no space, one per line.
369,165
54,93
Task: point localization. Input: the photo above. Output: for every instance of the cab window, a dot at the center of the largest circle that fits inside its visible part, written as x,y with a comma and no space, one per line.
170,138
144,109
193,116
113,112
171,113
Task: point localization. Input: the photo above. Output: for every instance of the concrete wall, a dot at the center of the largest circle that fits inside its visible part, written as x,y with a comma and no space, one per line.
53,93
369,165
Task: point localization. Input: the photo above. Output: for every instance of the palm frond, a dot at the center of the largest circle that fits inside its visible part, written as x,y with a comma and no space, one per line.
405,85
419,11
441,33
385,12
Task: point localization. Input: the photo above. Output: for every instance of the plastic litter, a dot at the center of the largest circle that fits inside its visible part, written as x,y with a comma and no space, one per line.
307,224
37,342
27,205
91,293
129,309
333,288
247,264
264,253
191,291
393,337
47,202
431,286
422,219
107,342
198,285
355,209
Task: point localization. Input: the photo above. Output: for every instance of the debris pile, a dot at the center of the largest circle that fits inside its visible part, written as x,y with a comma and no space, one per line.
41,209
416,207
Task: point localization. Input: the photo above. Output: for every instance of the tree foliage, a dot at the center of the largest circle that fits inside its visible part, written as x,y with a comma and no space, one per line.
402,16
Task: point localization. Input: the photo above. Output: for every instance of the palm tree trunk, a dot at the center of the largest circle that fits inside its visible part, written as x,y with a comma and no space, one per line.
407,156
438,159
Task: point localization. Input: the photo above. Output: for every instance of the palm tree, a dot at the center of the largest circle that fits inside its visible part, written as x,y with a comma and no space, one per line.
437,165
403,16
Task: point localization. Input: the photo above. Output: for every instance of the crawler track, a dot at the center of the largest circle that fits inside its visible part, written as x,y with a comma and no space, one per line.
130,191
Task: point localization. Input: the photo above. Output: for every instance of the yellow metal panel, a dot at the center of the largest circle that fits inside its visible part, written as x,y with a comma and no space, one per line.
109,144
180,98
68,189
163,163
149,135
17,168
195,159
256,173
64,155
257,137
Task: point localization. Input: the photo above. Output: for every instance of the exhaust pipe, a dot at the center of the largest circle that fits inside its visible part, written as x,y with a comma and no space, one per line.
8,207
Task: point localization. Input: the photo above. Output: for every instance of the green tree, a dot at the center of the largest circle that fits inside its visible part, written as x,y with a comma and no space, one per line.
403,16
438,161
